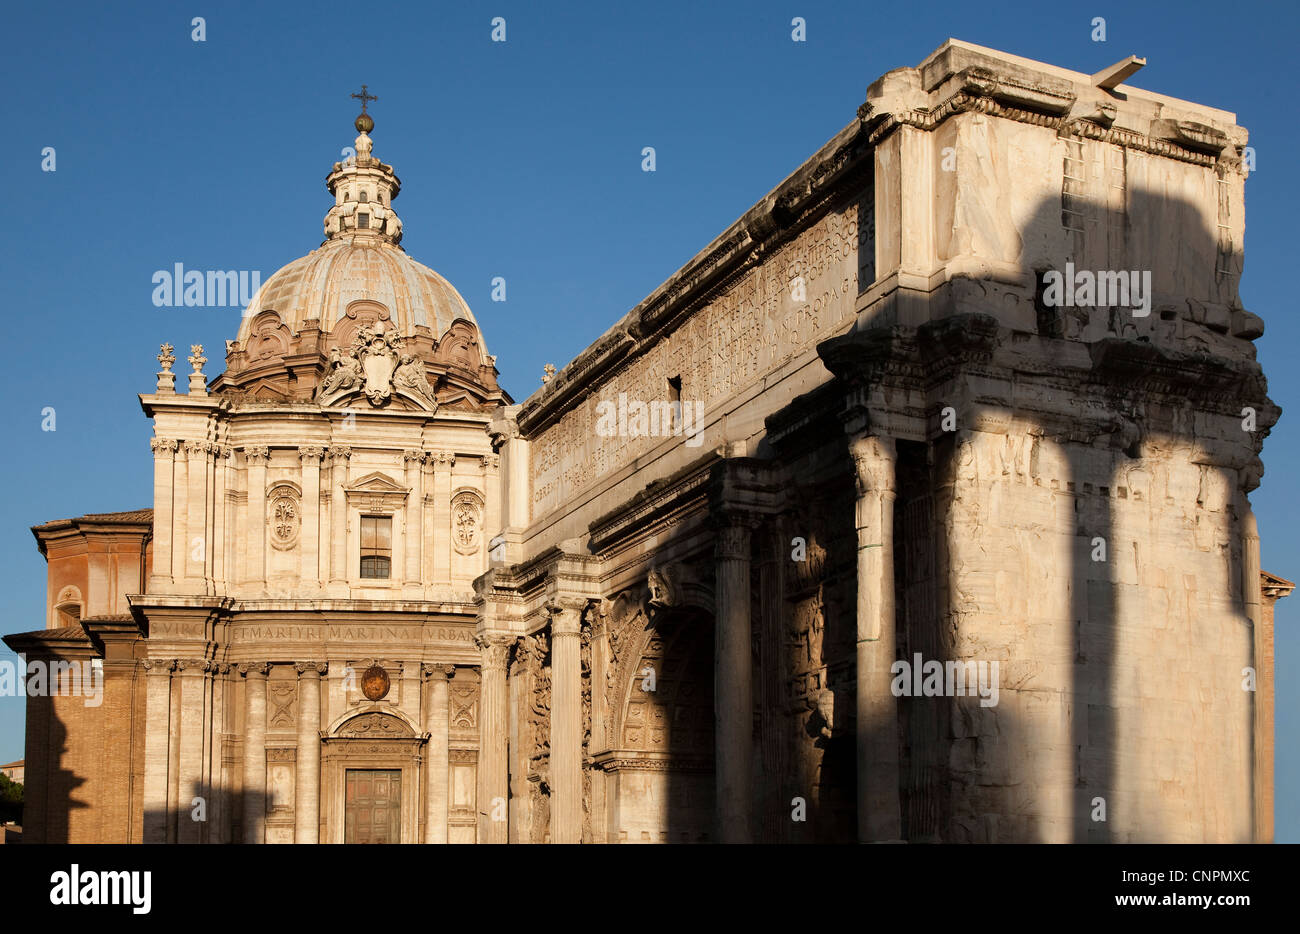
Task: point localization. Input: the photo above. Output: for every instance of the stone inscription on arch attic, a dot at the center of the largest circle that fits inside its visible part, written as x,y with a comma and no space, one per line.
762,320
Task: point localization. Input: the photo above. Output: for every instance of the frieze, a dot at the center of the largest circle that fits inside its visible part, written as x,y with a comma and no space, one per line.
192,630
799,295
329,633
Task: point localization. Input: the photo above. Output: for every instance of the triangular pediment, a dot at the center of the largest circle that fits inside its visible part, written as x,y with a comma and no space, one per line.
375,482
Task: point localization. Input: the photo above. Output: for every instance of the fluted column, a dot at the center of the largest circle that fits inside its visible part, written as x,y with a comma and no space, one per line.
196,514
339,455
427,531
732,682
164,457
310,537
874,460
180,515
256,457
492,498
566,720
254,751
307,773
436,725
446,462
493,767
414,461
218,787
157,701
221,476
193,676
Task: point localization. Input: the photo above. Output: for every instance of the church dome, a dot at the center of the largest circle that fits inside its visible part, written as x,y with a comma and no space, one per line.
315,314
321,287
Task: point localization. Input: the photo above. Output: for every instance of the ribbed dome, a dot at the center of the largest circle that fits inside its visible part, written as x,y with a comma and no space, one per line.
322,284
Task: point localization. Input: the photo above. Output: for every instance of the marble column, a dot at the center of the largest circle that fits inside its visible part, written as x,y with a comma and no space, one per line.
193,677
339,455
254,824
1262,698
566,721
427,532
173,755
164,457
157,701
494,715
219,792
256,456
732,683
220,475
492,498
306,796
435,708
180,516
196,514
414,526
879,820
310,536
442,519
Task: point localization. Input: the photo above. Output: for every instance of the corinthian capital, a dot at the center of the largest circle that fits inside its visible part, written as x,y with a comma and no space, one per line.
311,453
495,647
566,615
163,446
874,460
256,453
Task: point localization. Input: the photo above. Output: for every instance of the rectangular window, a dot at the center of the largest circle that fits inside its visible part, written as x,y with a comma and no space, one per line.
363,221
376,546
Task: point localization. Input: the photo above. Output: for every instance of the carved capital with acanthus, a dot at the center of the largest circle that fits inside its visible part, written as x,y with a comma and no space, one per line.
158,666
566,614
495,647
339,452
874,461
432,672
163,447
311,454
311,669
193,666
254,669
198,449
491,462
256,454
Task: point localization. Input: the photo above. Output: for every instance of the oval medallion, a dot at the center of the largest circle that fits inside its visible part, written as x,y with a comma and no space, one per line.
374,683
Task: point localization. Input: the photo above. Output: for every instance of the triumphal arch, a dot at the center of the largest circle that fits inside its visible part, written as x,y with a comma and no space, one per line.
913,507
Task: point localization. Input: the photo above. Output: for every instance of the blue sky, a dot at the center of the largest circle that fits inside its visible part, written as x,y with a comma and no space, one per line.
519,159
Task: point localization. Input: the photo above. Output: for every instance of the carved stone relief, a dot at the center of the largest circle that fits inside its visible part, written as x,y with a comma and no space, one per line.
284,511
467,522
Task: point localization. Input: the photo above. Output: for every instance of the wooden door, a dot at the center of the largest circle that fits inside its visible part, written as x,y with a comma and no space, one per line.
373,806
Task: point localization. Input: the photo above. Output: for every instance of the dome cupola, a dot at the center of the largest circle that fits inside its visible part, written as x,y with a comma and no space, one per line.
318,316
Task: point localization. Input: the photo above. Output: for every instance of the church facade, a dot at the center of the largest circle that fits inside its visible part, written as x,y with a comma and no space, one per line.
914,507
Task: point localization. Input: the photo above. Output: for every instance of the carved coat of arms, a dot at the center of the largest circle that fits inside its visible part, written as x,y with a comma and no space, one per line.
375,366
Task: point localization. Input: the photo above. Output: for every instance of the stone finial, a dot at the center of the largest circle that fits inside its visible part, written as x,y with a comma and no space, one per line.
166,378
548,373
198,382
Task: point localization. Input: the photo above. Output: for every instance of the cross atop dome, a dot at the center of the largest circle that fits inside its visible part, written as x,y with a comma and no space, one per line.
364,123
